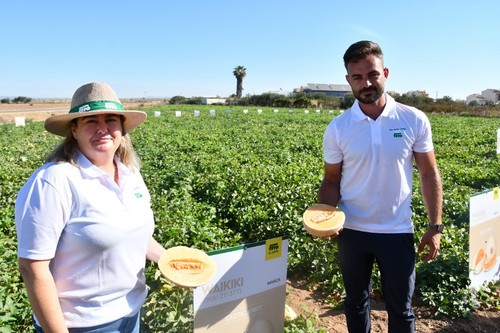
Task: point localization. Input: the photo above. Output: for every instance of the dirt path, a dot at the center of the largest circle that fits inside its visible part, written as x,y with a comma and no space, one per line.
40,111
34,112
334,320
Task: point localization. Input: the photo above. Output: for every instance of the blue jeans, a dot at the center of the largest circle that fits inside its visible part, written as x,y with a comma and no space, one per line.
122,325
395,257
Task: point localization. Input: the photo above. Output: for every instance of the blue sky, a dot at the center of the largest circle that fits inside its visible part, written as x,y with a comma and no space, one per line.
190,47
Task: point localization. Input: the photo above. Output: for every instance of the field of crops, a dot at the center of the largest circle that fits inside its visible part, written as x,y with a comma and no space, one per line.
217,181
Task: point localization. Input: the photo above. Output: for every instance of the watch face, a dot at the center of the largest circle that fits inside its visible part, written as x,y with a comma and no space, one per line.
438,227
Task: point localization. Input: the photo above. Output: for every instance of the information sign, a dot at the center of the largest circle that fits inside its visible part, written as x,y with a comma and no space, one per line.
484,264
247,294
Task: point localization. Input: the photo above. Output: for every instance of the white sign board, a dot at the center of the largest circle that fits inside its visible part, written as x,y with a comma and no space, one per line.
484,263
247,294
498,141
20,121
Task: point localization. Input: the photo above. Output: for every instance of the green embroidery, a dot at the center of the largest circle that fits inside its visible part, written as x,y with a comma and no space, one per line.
97,105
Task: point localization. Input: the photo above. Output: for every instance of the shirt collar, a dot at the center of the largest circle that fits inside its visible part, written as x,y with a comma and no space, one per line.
389,108
87,167
94,172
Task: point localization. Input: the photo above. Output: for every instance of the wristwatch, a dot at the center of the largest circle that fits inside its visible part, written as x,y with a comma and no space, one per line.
437,227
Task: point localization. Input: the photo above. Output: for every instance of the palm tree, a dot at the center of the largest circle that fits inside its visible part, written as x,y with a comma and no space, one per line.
240,72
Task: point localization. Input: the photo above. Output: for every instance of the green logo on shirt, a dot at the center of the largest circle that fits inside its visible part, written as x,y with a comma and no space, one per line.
138,195
398,135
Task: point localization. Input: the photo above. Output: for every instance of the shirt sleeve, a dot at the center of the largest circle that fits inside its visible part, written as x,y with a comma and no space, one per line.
423,142
332,153
40,218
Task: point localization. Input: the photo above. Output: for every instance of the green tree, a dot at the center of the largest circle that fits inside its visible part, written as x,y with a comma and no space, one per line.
178,100
301,102
21,100
239,72
282,101
347,101
445,100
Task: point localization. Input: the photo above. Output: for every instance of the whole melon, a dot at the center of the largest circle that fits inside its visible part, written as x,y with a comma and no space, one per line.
323,220
187,267
261,326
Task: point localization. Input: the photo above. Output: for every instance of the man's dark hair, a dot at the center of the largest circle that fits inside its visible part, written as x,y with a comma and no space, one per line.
360,50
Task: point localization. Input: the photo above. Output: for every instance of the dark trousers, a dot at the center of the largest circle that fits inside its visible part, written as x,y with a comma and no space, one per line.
395,257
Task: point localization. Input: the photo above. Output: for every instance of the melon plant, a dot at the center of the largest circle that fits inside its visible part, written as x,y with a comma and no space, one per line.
218,181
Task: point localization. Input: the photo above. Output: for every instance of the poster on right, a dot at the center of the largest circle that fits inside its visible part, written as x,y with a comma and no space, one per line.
484,261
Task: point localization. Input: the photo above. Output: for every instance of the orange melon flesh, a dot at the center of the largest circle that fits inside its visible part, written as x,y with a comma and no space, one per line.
323,220
479,261
489,264
187,267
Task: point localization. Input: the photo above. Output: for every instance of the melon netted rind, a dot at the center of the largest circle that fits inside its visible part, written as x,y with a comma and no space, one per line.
329,226
186,278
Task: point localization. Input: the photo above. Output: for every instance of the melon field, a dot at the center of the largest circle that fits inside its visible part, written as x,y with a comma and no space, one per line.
218,181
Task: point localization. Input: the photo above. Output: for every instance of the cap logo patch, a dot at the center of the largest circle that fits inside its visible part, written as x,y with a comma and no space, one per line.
84,108
110,106
97,106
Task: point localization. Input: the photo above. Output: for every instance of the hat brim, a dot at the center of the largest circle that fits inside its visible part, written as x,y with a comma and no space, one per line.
60,124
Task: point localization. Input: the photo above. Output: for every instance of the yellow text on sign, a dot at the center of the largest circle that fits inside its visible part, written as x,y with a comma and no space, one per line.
273,248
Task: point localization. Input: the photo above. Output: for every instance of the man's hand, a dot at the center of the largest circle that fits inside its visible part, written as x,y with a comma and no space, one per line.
334,235
432,239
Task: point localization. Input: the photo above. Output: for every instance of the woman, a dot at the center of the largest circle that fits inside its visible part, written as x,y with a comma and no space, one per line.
84,222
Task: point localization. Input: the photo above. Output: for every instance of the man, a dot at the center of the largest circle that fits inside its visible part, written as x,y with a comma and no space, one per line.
369,152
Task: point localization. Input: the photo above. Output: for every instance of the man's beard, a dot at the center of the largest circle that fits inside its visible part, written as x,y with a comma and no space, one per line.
376,94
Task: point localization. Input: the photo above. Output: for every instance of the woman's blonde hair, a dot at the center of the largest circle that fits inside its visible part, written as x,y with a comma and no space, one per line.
67,151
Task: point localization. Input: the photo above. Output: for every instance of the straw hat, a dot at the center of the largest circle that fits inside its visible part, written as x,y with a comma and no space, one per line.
93,99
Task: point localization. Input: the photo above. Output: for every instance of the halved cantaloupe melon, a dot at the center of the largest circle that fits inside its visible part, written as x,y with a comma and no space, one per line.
187,267
489,264
323,220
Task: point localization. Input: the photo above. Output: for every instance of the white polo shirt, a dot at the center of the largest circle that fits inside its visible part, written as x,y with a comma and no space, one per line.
95,233
377,169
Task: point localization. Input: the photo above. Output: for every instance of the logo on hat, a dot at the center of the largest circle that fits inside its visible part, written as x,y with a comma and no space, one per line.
110,106
84,108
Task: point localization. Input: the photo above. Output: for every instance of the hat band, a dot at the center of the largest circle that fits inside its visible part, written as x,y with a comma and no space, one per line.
97,105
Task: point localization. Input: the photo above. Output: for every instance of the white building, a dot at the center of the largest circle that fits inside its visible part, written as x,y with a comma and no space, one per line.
491,96
213,100
478,98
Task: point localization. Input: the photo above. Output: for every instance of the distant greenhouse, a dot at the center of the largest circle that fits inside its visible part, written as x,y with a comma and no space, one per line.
213,100
335,90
